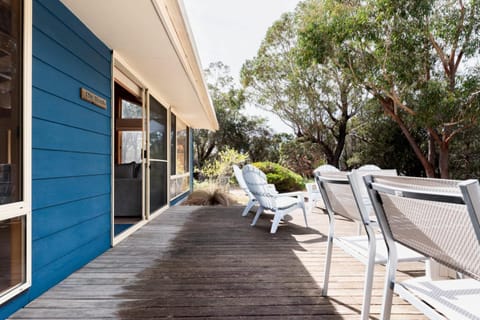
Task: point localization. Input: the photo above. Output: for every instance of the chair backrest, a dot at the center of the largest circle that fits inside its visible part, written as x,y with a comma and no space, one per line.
256,182
360,190
326,168
239,176
337,194
430,216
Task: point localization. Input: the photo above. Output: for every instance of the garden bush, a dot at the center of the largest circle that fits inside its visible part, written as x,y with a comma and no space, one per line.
284,179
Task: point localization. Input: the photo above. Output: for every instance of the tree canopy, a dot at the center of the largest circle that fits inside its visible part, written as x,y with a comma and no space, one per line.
316,101
238,131
417,58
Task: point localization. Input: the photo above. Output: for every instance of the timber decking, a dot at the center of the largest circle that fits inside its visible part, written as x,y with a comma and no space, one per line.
207,262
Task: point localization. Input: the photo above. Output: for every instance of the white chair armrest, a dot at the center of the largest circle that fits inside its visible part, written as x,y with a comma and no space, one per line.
311,187
272,187
291,194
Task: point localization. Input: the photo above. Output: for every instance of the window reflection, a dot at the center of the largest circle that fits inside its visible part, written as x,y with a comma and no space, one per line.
12,253
131,146
181,147
180,180
131,110
10,101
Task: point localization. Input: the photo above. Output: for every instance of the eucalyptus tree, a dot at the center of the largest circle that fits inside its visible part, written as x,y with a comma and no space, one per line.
316,101
237,131
417,58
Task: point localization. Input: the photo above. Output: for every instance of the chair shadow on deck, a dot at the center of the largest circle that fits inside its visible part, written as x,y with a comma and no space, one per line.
218,266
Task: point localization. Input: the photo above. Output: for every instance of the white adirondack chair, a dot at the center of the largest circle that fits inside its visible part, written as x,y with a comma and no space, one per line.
279,203
241,182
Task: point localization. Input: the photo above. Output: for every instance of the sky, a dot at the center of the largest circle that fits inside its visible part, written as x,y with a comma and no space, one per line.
231,31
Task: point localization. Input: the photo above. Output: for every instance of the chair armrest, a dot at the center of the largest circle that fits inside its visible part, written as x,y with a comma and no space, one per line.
272,188
311,187
291,194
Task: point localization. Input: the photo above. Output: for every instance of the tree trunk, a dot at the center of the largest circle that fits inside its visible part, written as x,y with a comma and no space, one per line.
443,160
432,155
342,136
388,107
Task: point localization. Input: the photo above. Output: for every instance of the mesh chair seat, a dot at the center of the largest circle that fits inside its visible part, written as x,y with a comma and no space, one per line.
358,247
455,299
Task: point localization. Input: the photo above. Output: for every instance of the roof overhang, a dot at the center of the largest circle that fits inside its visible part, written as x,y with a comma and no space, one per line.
154,38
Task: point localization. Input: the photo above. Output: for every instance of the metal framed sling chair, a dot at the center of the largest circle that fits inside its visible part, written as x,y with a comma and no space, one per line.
313,193
268,199
440,219
337,189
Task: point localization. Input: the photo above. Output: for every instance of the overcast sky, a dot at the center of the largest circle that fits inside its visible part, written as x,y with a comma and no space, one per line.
231,31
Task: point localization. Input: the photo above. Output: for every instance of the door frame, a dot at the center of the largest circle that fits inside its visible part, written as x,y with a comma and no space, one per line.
122,74
120,68
23,208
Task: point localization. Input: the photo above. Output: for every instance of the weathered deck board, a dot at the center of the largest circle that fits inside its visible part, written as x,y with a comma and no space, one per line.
194,262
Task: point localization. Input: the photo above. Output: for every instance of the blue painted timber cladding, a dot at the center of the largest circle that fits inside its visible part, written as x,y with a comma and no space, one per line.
71,142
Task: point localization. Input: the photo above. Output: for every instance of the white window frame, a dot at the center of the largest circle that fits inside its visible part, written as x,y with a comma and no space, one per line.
24,208
177,176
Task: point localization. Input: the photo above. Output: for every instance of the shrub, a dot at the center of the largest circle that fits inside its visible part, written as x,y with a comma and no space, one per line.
219,170
284,179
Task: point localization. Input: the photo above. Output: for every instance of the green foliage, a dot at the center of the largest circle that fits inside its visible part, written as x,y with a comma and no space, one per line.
301,156
412,56
465,160
379,141
317,101
220,169
267,147
284,179
237,131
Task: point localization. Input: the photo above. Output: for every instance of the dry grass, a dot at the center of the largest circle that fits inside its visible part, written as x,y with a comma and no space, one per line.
206,197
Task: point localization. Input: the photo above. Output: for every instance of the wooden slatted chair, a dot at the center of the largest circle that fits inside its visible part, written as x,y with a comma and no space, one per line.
337,189
279,203
439,219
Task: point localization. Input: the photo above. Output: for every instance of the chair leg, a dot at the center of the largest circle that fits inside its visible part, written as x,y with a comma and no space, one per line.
249,206
328,258
367,289
257,215
388,290
305,215
311,206
276,221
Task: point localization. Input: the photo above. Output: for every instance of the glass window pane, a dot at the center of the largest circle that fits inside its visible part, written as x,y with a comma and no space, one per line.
158,185
12,253
181,134
131,146
131,110
173,144
10,102
179,185
158,130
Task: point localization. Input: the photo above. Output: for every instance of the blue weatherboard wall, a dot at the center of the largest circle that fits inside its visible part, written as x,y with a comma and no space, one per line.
71,149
